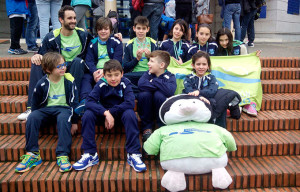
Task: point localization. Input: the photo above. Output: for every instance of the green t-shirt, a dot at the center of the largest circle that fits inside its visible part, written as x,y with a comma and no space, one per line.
189,139
70,46
143,63
102,56
57,95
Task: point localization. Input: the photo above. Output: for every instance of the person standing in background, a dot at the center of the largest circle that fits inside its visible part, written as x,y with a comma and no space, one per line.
16,12
81,7
153,10
232,11
48,9
32,27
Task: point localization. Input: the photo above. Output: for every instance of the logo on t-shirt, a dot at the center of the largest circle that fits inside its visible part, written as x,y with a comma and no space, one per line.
69,49
56,96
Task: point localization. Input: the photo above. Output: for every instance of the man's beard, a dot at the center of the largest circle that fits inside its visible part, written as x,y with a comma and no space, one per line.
67,26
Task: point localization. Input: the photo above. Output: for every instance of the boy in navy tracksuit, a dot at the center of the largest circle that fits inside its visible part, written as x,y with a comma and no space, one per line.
111,101
101,49
155,86
54,98
137,51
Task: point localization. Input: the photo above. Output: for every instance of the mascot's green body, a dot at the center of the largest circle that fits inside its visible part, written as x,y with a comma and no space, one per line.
188,145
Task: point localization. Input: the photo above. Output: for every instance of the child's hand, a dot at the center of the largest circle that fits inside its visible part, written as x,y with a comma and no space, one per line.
139,54
98,75
194,93
109,120
258,52
204,100
147,52
179,61
37,59
74,128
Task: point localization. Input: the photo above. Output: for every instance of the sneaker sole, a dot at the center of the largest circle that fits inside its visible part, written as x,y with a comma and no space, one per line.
130,163
66,170
28,168
88,165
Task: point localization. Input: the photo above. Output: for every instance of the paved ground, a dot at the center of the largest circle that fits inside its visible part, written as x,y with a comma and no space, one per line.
268,49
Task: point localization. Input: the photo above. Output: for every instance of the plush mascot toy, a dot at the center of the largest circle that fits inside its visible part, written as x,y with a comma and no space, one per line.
190,145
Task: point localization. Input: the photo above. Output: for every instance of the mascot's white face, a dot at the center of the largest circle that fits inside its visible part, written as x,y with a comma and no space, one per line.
181,108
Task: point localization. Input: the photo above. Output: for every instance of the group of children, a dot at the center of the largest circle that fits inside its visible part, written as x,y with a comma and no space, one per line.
109,88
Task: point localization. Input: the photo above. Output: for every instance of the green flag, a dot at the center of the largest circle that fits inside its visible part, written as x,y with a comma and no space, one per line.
239,73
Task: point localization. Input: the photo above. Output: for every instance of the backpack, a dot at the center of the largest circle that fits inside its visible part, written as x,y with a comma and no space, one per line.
166,23
114,18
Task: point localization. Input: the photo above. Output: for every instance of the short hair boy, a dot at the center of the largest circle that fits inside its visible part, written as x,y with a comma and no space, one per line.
111,101
54,98
155,86
137,51
101,49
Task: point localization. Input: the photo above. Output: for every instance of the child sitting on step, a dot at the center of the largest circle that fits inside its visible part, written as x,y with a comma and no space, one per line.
54,98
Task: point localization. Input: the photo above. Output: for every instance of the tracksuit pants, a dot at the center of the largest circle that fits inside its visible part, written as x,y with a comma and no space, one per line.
148,107
75,67
128,119
37,118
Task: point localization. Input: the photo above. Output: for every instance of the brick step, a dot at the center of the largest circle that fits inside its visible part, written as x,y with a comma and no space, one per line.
255,172
15,62
112,146
283,101
280,86
281,62
14,87
280,73
18,74
265,121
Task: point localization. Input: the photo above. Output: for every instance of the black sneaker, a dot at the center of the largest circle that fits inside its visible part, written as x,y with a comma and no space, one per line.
146,134
33,50
250,44
19,51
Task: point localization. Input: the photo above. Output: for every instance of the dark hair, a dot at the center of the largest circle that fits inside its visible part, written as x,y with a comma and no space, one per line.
204,25
200,54
141,20
221,32
184,27
112,65
50,61
163,56
103,22
61,12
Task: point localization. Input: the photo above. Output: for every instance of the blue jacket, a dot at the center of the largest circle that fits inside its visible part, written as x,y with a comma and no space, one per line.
115,99
236,51
114,50
52,42
207,85
168,45
81,2
211,48
129,62
41,91
17,7
165,83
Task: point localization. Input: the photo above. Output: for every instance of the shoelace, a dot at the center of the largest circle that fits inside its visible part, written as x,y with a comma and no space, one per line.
137,158
25,158
84,157
63,159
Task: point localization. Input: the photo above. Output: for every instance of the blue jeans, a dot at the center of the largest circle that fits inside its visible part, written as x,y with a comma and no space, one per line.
233,11
247,25
32,26
153,13
48,9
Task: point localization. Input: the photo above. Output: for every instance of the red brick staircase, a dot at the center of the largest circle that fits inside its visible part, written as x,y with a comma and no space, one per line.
267,159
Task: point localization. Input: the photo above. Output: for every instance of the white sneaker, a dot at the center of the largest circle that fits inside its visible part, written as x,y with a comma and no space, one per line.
23,116
86,161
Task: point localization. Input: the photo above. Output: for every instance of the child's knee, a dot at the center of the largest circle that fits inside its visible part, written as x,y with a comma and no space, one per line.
159,97
145,95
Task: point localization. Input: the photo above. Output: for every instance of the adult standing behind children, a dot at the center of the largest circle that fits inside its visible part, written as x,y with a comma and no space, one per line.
54,100
155,86
111,101
137,51
232,11
48,10
71,42
153,9
101,49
